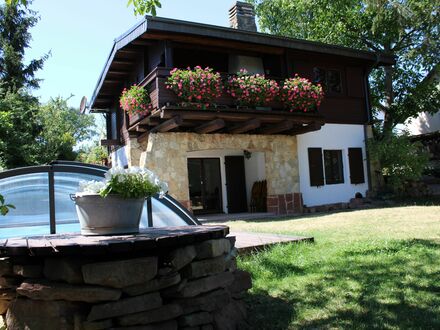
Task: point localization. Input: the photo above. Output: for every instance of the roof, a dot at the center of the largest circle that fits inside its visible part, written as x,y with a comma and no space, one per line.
165,25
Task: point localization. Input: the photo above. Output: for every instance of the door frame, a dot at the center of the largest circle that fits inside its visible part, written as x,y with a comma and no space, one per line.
221,208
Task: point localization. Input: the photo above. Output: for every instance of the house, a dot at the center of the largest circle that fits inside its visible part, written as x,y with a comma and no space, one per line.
212,158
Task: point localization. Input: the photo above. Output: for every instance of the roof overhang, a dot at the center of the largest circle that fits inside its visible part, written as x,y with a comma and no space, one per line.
157,26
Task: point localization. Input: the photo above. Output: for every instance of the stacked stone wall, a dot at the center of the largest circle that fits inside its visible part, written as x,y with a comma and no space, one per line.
196,286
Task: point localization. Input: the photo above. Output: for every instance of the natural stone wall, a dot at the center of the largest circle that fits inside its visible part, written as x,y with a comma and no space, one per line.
166,155
194,286
285,203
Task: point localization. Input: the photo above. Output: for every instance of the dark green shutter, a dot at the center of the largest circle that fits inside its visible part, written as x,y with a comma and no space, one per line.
356,165
316,169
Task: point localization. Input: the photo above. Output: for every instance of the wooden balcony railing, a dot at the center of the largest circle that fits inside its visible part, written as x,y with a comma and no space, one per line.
224,117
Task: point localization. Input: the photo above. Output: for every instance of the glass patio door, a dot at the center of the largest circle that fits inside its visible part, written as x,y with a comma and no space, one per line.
205,185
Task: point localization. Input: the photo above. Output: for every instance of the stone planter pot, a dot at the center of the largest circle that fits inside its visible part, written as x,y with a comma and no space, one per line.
108,216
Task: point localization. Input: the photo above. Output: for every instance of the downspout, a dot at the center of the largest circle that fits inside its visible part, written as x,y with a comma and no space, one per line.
369,116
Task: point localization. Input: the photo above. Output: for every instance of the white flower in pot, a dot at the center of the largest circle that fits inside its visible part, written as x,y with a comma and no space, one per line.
114,205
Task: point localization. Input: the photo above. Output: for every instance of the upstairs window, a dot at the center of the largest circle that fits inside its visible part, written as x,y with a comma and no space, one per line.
330,80
334,172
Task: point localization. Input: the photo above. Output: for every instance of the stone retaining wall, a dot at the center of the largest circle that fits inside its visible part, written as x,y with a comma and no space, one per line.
194,286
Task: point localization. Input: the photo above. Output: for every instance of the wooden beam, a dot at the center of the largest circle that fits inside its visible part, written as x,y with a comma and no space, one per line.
143,137
122,61
277,128
167,125
110,143
112,82
118,73
246,126
305,129
212,126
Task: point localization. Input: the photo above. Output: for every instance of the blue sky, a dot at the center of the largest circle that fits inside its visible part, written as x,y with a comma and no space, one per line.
80,34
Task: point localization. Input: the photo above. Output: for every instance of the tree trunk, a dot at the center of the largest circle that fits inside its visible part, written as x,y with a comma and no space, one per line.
389,99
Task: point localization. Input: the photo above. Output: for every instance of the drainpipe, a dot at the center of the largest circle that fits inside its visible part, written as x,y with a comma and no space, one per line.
369,116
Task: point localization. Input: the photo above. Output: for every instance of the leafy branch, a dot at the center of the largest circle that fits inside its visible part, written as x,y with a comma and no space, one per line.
4,208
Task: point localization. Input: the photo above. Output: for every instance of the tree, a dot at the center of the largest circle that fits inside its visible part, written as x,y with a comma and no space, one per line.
94,154
15,23
406,29
62,129
18,129
141,7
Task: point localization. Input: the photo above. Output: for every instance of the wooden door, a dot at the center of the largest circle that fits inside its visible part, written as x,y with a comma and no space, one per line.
236,184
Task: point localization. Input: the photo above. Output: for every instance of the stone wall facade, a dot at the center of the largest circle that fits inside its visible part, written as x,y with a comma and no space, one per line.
166,155
194,286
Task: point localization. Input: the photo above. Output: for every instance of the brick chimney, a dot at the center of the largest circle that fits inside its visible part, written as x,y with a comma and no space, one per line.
242,16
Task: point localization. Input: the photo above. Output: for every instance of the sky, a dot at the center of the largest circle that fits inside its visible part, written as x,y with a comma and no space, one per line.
79,34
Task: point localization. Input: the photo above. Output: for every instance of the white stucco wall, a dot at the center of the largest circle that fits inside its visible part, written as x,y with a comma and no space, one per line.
254,168
119,157
424,123
336,137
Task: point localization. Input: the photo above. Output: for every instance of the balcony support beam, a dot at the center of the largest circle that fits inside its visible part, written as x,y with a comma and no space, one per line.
246,126
210,127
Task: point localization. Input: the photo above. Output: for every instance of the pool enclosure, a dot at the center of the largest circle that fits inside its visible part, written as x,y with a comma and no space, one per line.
41,195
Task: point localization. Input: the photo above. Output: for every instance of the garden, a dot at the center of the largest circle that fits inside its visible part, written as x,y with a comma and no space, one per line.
374,268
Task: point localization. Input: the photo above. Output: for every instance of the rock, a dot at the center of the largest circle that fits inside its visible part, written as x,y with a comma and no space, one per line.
213,248
98,325
153,285
174,290
164,271
164,313
207,302
119,274
125,306
204,267
4,304
66,270
168,325
232,240
206,284
5,266
41,315
242,282
28,271
195,319
181,257
231,317
207,327
61,291
9,282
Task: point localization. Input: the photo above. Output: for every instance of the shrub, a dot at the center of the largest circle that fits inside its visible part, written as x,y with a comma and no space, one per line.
135,100
252,90
400,161
299,94
199,86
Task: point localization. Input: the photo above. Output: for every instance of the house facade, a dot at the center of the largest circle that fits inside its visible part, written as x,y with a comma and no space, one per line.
212,159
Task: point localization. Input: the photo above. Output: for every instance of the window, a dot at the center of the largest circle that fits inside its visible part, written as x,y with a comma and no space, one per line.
329,79
333,167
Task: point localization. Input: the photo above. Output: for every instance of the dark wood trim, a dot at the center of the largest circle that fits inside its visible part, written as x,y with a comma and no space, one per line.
278,128
168,125
110,142
209,127
247,126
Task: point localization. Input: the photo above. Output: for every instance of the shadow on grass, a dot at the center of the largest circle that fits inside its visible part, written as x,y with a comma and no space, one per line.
387,285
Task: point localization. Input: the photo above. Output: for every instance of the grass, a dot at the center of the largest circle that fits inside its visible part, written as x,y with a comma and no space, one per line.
367,269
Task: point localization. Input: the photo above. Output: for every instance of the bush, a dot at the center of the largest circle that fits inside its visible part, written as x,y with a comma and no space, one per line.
301,95
199,86
135,100
400,160
252,90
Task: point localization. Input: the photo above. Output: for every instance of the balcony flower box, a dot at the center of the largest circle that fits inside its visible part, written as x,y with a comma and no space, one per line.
299,94
135,101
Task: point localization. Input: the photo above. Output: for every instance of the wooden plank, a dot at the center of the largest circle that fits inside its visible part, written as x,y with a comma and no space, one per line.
305,129
168,125
17,247
110,142
39,246
246,126
210,127
277,128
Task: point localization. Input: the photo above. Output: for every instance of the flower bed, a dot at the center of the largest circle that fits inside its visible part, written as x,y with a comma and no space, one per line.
198,87
300,94
135,100
252,90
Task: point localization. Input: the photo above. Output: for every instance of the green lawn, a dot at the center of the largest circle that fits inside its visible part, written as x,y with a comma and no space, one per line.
367,269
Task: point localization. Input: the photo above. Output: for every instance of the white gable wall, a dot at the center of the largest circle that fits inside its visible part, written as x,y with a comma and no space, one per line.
332,137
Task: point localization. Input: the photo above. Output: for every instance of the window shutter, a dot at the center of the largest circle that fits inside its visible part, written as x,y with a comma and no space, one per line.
356,165
315,167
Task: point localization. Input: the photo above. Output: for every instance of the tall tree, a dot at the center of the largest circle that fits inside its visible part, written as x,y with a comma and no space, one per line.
15,22
63,128
406,29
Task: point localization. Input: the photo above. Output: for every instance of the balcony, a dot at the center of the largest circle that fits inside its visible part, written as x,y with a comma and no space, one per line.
223,117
